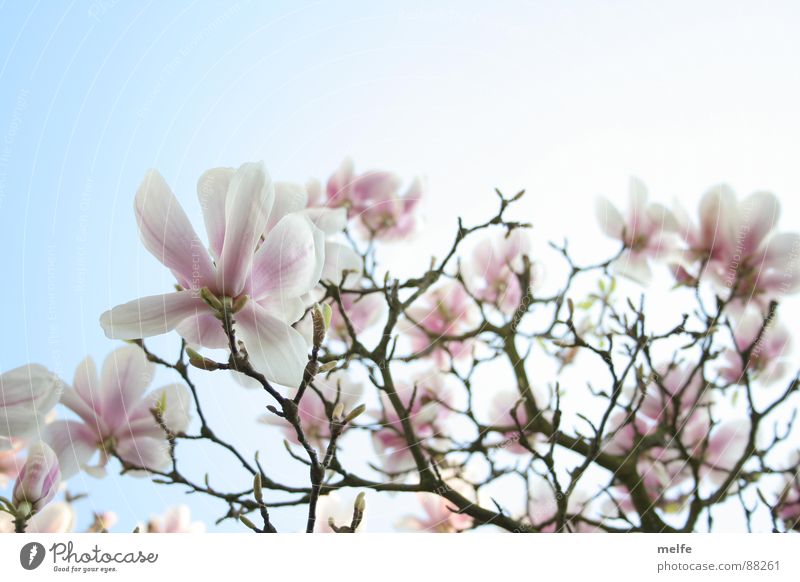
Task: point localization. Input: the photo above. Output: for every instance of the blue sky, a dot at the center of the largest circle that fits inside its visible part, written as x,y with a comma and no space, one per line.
564,99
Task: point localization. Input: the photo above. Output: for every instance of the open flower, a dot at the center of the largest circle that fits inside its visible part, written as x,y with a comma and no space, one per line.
427,400
736,243
262,272
177,519
446,310
439,516
116,415
492,272
38,480
767,353
647,232
27,394
336,388
374,199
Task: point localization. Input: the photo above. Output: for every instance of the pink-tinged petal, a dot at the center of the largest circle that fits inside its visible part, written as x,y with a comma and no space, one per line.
610,219
126,375
74,444
85,384
759,214
663,218
27,394
38,479
288,263
203,330
177,412
149,316
247,208
212,189
144,452
341,261
289,198
167,233
55,518
718,219
276,349
727,444
340,184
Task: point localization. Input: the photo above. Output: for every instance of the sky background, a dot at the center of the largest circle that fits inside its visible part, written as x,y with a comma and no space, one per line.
564,99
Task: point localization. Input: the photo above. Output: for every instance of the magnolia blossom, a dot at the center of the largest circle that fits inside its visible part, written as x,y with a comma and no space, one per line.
27,395
736,243
177,519
341,261
116,415
10,462
340,509
426,412
767,356
492,272
647,232
374,199
336,388
505,405
254,263
439,516
447,310
38,480
363,311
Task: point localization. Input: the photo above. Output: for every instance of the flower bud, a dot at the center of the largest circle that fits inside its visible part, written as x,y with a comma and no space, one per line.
38,480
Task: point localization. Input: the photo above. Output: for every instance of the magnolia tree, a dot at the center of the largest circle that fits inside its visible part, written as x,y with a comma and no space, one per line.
492,398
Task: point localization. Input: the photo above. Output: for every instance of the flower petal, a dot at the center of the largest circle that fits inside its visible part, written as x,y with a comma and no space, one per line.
167,233
247,208
212,189
74,444
149,316
27,394
290,260
126,375
341,263
276,349
203,330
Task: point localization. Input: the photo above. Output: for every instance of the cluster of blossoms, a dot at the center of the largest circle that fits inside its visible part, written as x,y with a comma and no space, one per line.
285,284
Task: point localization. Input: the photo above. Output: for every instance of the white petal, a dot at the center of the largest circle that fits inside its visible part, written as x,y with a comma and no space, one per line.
212,189
149,316
276,349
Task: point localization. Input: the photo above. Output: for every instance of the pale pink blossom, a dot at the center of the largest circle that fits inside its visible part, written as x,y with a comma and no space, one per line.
646,231
27,395
439,516
177,519
38,480
736,243
505,405
115,415
427,400
492,272
272,269
767,356
374,200
446,310
10,462
787,507
363,311
338,387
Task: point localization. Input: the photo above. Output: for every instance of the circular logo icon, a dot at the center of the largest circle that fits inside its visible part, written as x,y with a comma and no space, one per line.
31,555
